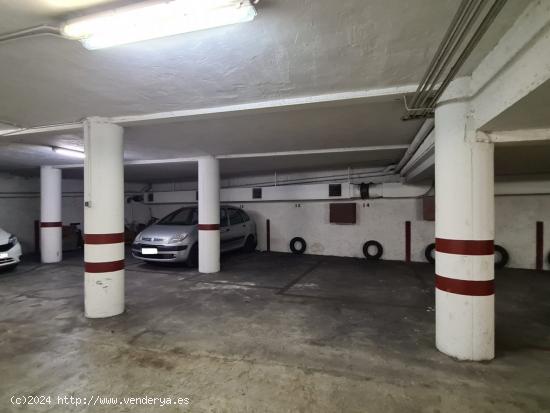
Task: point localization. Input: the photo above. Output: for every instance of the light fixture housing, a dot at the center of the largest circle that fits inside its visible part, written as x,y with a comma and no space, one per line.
69,152
154,19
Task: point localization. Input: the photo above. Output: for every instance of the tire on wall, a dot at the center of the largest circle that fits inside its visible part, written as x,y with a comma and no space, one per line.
501,256
379,250
429,253
297,245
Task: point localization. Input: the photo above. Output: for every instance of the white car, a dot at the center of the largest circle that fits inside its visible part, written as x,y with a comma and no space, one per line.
10,250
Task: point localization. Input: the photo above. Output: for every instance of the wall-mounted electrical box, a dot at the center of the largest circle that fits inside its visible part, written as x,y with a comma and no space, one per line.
343,213
428,208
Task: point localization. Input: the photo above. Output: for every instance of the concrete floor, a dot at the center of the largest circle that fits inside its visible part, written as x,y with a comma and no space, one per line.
271,333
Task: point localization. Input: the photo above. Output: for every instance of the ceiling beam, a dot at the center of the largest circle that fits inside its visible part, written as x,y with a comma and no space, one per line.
517,65
73,126
277,105
518,136
255,155
316,151
331,99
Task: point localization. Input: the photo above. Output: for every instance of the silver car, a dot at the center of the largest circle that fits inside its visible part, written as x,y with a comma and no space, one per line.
174,238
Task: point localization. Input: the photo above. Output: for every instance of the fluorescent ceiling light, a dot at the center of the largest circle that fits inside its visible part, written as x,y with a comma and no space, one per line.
153,19
69,152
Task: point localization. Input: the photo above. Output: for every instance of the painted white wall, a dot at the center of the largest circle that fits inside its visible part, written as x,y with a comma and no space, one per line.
337,175
73,201
20,206
384,220
515,227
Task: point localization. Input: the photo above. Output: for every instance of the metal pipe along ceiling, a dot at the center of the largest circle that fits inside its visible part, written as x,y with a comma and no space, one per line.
442,50
419,138
444,65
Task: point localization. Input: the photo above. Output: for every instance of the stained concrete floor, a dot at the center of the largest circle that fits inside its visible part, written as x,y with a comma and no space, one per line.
270,333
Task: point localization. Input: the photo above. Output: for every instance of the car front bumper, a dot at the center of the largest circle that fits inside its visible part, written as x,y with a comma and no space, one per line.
10,255
165,253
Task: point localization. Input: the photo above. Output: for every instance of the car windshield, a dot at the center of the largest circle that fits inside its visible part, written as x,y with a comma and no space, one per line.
184,216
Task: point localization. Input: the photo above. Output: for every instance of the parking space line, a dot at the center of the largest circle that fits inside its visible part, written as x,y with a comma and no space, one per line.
299,278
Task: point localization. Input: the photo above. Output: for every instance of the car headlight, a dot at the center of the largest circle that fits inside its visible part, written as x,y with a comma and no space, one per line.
138,237
12,240
177,238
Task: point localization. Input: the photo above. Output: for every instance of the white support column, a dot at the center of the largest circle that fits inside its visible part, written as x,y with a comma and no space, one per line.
50,215
464,231
209,215
103,219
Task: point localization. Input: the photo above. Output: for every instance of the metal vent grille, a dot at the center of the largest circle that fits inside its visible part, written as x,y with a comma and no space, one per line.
335,190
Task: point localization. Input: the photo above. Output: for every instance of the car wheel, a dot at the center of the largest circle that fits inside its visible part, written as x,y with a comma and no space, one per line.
250,244
429,253
193,259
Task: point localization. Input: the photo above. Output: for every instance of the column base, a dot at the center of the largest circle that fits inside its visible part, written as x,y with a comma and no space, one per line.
465,325
209,251
50,245
103,294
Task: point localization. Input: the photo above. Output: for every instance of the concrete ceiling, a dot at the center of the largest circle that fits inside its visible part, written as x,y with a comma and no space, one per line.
309,127
518,158
522,159
293,48
341,126
531,112
510,160
515,160
230,168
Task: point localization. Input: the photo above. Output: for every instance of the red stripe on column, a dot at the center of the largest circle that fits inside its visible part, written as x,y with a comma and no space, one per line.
95,239
51,224
408,241
465,287
540,245
209,227
465,247
96,267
